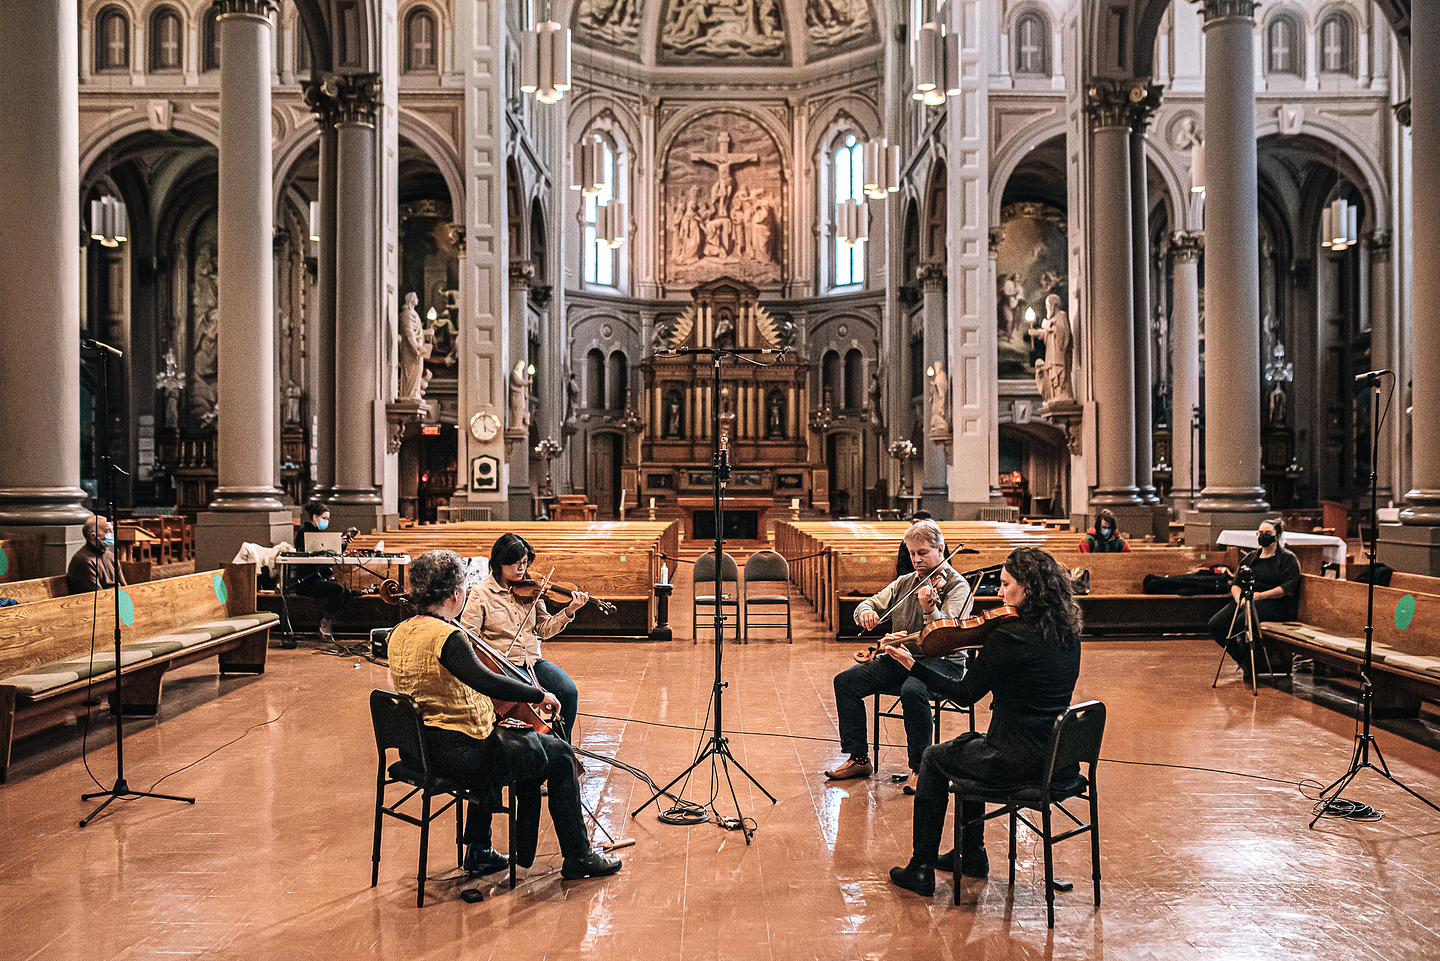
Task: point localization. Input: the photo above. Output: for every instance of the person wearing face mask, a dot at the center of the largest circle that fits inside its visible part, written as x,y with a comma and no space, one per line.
909,610
1104,537
319,581
94,566
1277,591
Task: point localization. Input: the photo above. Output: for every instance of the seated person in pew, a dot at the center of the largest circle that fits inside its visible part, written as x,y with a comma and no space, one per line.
94,566
909,610
432,661
515,628
320,581
1029,665
1277,591
1104,537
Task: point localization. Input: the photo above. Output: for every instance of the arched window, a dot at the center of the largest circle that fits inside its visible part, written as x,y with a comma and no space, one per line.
1284,54
830,379
854,379
598,255
595,379
848,169
166,39
112,40
1336,44
421,41
617,379
1032,44
210,42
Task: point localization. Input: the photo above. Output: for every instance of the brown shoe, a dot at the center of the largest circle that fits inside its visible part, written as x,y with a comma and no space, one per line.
850,769
911,782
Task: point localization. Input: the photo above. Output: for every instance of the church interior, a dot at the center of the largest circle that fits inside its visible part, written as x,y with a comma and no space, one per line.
448,269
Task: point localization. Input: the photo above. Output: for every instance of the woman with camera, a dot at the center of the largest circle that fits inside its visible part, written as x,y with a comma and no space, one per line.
1271,578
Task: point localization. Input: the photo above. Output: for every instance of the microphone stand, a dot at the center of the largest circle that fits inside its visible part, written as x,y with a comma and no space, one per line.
717,746
107,465
1364,741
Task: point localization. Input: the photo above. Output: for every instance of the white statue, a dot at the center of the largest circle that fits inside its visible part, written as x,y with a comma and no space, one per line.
519,397
415,348
1052,375
939,391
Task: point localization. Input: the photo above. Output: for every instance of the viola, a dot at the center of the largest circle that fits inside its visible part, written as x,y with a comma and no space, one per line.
949,634
937,584
555,592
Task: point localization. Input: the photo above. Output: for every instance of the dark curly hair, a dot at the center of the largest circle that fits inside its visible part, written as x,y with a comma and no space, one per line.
434,576
1049,596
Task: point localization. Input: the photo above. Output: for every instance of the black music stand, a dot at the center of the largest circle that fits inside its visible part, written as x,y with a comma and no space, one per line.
717,746
1364,740
108,470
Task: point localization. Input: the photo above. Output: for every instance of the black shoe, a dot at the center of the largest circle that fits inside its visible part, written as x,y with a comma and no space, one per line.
975,864
288,643
480,860
914,877
946,862
592,865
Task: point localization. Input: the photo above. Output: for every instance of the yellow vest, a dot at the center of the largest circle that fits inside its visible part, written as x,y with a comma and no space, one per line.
415,668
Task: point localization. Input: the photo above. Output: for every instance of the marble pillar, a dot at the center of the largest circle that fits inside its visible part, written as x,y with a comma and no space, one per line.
1140,113
934,491
247,505
1233,495
1185,358
1111,363
321,332
1383,356
40,493
355,500
517,437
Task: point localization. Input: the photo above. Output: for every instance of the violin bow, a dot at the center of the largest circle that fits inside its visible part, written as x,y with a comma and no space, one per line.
921,582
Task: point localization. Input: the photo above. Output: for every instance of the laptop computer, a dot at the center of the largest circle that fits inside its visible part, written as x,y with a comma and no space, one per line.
324,542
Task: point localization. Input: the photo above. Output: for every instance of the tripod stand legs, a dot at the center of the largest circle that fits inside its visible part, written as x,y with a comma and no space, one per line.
1248,637
1359,761
122,790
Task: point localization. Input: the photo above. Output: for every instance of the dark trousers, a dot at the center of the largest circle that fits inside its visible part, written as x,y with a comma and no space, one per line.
477,764
884,675
331,591
1269,609
932,799
554,679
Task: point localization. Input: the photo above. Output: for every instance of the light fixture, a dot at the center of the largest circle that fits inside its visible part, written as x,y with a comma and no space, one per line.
882,169
854,222
315,220
1197,167
108,222
1339,223
610,223
588,175
936,62
545,61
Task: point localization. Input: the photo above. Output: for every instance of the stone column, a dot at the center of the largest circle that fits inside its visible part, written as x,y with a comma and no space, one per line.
40,494
1233,494
934,491
1185,357
1112,285
1383,356
1140,113
247,505
321,334
517,437
355,501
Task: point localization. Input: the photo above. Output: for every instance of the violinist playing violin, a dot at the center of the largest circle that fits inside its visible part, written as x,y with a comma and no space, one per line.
508,623
432,661
942,594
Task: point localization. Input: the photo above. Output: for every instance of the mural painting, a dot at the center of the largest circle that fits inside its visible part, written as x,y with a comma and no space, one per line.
1030,265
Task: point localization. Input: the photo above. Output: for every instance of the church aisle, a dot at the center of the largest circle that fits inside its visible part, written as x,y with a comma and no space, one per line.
274,859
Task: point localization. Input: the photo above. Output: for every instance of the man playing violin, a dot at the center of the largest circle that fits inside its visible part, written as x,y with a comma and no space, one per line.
432,661
515,629
942,593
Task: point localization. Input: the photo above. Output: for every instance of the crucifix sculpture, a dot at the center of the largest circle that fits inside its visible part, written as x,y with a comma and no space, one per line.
723,161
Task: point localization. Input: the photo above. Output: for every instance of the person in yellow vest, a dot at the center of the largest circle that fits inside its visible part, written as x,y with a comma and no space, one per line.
432,661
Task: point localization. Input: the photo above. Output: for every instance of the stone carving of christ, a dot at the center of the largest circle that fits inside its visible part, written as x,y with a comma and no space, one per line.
724,163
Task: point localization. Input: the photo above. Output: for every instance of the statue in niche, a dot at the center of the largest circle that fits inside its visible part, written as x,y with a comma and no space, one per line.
724,330
519,397
572,397
1278,403
415,349
939,393
1052,375
672,416
723,28
775,418
204,364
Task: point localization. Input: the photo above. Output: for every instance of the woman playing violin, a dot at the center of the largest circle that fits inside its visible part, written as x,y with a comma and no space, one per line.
933,592
1030,664
515,627
432,661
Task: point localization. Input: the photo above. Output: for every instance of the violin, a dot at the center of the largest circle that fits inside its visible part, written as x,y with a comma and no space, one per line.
937,584
530,589
948,634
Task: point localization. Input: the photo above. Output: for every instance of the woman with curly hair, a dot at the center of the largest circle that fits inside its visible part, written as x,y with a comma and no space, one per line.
1029,665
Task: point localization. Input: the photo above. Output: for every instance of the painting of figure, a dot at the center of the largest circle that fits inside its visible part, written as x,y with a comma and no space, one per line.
1030,265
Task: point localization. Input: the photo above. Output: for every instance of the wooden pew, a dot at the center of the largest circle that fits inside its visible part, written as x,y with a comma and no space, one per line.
44,588
1331,630
47,647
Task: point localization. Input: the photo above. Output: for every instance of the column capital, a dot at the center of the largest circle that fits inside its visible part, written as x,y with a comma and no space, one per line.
1402,112
355,97
1220,9
248,9
1110,103
321,104
455,233
1378,243
1143,110
522,274
1187,244
931,276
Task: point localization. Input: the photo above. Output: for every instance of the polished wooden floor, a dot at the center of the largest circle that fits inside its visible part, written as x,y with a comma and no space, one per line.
1206,852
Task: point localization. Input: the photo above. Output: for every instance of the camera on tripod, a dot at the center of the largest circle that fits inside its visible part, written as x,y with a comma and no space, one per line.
1245,580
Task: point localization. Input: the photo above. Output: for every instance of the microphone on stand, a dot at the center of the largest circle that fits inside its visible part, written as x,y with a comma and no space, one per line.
1370,376
91,343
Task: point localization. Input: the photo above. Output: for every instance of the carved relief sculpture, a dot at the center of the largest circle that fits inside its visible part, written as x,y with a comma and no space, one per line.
834,24
204,363
414,350
613,22
723,194
723,28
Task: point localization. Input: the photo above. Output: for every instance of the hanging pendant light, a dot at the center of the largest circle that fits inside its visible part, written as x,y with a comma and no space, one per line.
1197,167
588,175
315,220
1327,228
882,169
545,61
852,223
108,223
615,223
